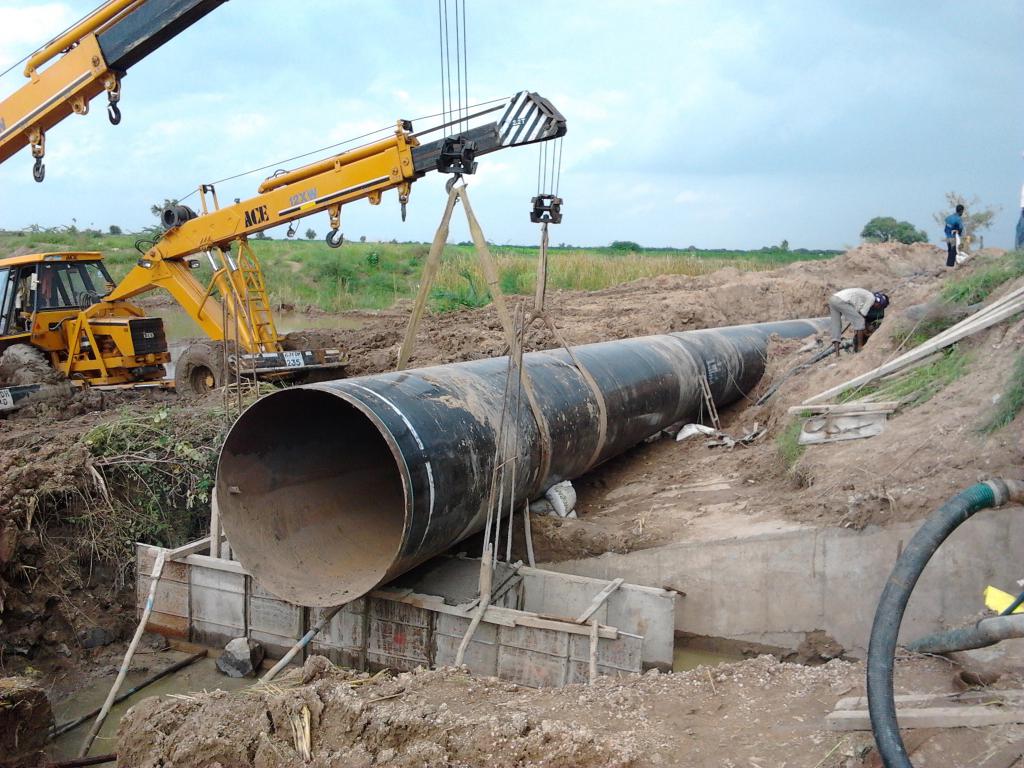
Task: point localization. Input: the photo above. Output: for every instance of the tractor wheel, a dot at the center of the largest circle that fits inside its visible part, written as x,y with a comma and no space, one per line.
200,369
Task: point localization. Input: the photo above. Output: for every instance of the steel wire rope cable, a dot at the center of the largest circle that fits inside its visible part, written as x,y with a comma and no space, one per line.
278,163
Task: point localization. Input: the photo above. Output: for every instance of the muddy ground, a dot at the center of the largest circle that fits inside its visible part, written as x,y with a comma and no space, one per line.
758,713
65,613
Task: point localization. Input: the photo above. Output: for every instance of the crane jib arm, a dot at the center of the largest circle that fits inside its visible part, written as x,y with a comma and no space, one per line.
140,32
527,118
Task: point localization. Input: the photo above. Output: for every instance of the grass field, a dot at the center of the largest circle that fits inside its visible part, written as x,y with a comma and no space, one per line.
375,275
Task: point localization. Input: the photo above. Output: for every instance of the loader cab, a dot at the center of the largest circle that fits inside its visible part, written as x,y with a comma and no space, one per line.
57,284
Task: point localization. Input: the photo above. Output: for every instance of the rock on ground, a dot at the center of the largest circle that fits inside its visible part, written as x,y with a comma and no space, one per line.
241,657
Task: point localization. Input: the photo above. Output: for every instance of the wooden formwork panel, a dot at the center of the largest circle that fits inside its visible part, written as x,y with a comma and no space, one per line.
623,654
547,641
650,613
170,614
456,626
532,668
217,605
400,641
274,622
342,640
482,652
480,657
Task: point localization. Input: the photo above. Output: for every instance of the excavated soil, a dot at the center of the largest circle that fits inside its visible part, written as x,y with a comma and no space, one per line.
658,492
759,713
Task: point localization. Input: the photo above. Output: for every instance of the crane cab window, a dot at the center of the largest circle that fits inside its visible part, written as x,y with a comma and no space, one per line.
71,284
6,299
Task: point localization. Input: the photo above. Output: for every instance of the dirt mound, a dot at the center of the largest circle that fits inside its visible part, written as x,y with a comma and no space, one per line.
25,721
649,306
759,712
24,364
404,721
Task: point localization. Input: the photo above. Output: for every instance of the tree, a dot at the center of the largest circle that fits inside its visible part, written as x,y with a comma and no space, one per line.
976,218
625,245
311,234
362,238
157,209
886,229
115,230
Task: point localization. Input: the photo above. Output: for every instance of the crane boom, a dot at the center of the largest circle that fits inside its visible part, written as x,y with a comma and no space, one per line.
326,185
93,57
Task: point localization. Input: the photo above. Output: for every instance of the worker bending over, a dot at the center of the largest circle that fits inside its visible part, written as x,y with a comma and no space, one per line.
857,306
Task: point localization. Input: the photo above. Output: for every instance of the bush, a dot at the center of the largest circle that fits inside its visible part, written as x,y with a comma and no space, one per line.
886,229
625,245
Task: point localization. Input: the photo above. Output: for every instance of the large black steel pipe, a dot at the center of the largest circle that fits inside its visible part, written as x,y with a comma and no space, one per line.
330,489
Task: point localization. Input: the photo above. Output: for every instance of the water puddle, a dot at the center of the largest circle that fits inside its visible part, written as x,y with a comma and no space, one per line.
693,652
198,676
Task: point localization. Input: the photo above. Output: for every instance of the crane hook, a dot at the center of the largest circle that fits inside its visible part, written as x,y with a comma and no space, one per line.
113,113
335,238
38,169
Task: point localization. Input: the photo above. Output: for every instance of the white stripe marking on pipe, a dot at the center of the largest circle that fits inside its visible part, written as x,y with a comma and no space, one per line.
412,429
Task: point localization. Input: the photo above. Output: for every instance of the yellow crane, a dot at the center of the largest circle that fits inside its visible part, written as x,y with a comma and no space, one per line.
66,306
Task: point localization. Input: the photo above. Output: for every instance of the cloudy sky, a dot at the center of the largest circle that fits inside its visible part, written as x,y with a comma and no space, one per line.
720,124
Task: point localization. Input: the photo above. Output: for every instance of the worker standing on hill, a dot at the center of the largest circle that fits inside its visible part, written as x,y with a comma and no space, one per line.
954,229
855,305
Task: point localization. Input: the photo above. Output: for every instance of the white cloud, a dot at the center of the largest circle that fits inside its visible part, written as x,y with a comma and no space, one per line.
25,28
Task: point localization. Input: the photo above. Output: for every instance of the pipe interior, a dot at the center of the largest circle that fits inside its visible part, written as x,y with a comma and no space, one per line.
311,497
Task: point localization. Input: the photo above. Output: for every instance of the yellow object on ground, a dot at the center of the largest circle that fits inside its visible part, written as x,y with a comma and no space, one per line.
998,601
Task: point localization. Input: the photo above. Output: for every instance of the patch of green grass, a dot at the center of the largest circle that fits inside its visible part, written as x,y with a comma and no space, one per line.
374,275
910,336
1011,401
918,385
469,294
787,443
985,279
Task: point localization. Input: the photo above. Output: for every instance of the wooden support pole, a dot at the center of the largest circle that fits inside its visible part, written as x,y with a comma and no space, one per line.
158,568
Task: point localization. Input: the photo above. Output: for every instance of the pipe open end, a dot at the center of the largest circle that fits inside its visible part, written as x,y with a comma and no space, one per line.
311,497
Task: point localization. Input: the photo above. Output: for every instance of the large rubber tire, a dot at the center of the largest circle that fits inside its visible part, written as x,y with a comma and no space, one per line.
200,369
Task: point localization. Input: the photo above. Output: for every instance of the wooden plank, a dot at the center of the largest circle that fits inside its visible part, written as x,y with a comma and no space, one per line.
192,548
976,697
217,564
598,600
929,717
1001,310
886,406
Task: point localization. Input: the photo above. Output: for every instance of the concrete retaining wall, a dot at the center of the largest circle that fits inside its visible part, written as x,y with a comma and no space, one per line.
774,588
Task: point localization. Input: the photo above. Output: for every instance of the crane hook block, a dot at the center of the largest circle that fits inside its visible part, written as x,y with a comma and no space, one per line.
457,155
546,209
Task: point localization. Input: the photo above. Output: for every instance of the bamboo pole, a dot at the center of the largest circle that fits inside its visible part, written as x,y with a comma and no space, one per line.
71,725
486,576
158,567
302,643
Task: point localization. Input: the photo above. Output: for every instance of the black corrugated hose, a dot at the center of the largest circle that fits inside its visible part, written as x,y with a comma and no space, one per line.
891,606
